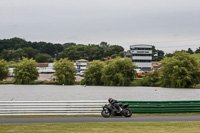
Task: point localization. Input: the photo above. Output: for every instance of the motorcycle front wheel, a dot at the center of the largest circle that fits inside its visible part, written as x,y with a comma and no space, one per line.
127,113
105,113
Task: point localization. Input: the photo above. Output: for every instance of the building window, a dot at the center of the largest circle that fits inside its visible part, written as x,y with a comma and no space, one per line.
142,54
141,48
141,60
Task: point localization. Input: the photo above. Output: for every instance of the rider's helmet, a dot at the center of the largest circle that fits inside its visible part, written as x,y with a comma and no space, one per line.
110,100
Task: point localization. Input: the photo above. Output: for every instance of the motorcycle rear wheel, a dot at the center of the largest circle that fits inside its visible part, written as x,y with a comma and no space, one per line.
127,113
105,114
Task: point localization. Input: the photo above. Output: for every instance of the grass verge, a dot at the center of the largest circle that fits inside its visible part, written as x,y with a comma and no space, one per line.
175,114
111,127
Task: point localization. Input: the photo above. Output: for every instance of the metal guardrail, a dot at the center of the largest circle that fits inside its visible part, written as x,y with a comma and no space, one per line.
150,107
92,107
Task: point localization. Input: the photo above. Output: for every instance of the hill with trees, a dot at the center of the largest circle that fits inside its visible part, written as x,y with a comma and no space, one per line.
15,48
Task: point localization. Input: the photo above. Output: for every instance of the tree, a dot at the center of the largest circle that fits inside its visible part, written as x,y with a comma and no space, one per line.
118,72
152,79
120,54
59,48
19,54
113,49
104,45
64,71
190,51
41,57
30,52
197,50
169,55
69,44
3,70
92,76
157,55
25,71
8,55
94,52
49,49
180,71
13,55
76,52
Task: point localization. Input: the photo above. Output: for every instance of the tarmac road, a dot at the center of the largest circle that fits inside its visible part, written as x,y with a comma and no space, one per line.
98,119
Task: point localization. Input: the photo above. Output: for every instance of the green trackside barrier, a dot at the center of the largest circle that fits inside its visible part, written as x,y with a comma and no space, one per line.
151,107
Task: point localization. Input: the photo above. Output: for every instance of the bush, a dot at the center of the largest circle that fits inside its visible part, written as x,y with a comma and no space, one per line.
25,71
152,79
137,82
3,70
92,76
64,72
180,71
118,72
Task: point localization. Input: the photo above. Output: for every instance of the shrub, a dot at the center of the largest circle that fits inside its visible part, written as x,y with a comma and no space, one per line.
180,71
25,71
152,79
92,76
64,72
3,70
118,72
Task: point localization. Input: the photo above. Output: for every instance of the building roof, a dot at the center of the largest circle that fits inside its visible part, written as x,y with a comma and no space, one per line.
43,65
81,60
141,45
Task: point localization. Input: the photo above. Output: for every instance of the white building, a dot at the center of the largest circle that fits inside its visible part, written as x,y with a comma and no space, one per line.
47,69
141,55
81,64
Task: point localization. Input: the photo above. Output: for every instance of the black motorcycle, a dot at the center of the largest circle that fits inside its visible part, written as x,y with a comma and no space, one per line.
109,110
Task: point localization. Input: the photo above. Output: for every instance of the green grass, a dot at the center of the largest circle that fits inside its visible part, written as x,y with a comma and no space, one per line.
111,127
6,82
172,114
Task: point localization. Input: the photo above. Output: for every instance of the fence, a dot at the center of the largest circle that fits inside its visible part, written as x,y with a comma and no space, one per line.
147,107
93,107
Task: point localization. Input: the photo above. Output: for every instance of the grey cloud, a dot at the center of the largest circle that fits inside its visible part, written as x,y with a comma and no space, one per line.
91,21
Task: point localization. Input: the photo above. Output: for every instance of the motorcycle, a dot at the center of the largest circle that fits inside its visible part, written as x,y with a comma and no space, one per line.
109,110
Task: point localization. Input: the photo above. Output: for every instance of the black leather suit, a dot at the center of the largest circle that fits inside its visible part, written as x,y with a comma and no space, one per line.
116,104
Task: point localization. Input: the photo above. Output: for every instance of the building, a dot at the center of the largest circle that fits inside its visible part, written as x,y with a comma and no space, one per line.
81,64
46,68
141,55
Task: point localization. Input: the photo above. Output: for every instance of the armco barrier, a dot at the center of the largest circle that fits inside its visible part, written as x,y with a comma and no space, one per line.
92,107
147,107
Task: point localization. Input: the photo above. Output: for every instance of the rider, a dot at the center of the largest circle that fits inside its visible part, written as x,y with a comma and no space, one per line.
116,104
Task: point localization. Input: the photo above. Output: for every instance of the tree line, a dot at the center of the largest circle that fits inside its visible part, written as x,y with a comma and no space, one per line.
179,71
15,48
115,72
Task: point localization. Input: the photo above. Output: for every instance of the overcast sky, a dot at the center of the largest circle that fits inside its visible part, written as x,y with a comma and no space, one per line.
168,24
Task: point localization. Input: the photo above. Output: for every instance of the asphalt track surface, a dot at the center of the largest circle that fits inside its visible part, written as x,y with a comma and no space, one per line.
98,119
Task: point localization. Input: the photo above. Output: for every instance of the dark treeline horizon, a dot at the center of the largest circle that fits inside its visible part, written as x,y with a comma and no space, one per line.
15,48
